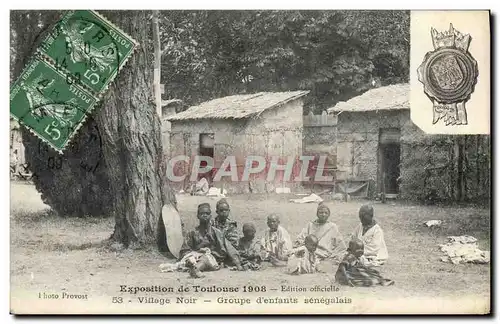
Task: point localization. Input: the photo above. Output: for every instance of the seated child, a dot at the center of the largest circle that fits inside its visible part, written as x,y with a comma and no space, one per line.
205,248
372,236
224,223
330,242
276,243
249,249
304,259
353,272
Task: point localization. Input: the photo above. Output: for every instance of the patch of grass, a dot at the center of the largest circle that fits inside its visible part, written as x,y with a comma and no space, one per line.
64,253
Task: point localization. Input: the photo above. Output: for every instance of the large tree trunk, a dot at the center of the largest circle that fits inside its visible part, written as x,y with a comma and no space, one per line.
26,28
131,133
66,186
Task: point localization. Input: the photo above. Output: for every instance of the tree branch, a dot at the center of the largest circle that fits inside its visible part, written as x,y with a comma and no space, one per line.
163,50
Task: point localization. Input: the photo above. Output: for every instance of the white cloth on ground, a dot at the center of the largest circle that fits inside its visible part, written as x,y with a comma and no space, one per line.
309,199
463,249
180,265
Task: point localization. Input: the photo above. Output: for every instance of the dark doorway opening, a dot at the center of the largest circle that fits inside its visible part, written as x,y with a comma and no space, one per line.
206,149
389,160
390,167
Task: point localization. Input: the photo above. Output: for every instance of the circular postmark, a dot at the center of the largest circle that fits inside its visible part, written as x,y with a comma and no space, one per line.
86,43
449,75
85,147
85,49
76,59
78,39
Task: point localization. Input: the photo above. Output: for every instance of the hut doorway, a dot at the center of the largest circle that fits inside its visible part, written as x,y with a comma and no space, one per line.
389,160
206,149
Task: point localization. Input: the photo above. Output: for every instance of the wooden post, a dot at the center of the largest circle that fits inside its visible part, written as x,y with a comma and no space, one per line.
460,168
345,189
157,61
383,187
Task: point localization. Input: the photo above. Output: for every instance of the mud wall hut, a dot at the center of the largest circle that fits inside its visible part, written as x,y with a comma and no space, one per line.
378,144
320,133
266,124
168,108
319,139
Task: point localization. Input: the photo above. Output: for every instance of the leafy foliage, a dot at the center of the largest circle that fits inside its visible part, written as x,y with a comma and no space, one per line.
432,169
208,54
334,54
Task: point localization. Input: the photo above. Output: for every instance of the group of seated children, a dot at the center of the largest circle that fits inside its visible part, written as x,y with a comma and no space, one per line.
215,243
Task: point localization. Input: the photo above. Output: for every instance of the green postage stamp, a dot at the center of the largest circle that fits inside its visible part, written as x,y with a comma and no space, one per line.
88,46
51,108
74,66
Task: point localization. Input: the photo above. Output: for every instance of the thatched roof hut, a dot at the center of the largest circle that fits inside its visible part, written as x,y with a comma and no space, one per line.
392,97
267,124
239,106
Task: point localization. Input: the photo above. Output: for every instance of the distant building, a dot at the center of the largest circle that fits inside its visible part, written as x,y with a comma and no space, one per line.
379,145
168,108
16,145
319,140
265,124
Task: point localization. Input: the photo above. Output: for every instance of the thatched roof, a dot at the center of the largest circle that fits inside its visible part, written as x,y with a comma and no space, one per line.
238,106
393,97
171,101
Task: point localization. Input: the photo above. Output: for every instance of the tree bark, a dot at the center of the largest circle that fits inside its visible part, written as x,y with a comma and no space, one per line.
131,133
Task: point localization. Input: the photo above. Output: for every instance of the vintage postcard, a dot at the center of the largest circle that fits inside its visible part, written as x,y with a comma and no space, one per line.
250,162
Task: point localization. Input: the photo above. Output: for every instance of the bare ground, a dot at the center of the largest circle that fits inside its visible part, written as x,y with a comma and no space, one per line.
54,255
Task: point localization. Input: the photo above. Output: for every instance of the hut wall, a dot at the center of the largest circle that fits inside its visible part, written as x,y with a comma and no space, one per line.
185,140
429,163
276,132
165,138
357,143
320,139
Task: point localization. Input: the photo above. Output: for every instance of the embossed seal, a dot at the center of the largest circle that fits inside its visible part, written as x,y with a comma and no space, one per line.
449,74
